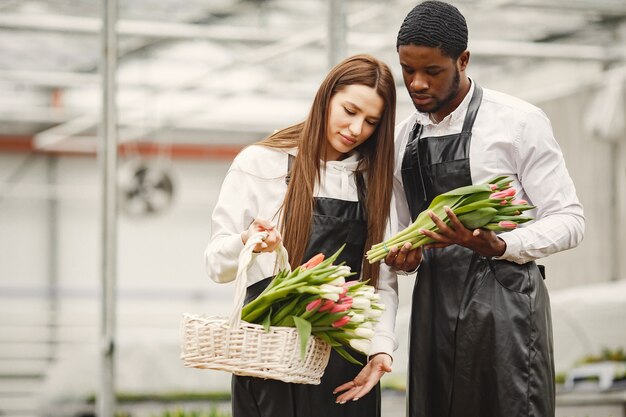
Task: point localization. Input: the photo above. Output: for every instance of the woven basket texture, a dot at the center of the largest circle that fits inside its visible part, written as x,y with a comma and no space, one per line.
210,343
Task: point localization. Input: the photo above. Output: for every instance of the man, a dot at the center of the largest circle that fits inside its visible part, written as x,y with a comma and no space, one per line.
481,336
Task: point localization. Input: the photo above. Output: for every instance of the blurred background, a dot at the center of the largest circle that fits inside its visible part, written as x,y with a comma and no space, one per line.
197,81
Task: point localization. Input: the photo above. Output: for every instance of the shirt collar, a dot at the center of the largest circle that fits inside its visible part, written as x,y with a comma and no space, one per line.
349,163
424,118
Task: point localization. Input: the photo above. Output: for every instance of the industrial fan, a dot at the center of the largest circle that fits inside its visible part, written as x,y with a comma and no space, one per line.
145,187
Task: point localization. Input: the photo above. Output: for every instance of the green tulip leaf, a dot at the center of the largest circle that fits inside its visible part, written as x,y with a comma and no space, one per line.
267,321
344,354
304,331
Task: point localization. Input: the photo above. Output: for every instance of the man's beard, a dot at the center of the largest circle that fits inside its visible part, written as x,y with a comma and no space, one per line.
454,89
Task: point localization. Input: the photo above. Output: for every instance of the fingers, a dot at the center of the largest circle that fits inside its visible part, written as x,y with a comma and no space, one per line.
402,254
438,237
356,392
444,233
452,233
455,223
262,224
270,241
344,387
443,228
391,256
365,380
404,258
412,260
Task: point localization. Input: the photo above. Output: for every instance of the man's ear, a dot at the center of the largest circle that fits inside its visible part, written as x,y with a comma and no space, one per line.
463,60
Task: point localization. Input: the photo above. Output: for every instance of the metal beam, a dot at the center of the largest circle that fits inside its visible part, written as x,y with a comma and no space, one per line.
610,7
478,48
161,30
545,50
316,35
107,153
337,34
49,78
52,136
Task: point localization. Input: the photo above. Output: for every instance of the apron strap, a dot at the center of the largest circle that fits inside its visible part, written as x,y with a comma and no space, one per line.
362,192
360,185
472,109
416,132
290,160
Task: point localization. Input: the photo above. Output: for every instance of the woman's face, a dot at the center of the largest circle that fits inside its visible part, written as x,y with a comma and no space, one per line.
354,113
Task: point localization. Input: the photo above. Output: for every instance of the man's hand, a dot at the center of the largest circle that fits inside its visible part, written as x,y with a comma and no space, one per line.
369,376
483,242
270,242
404,259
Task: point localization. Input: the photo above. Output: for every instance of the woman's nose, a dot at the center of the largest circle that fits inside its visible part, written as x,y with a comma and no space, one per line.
355,128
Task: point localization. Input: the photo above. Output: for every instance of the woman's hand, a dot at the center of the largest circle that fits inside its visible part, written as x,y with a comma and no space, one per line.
270,242
369,376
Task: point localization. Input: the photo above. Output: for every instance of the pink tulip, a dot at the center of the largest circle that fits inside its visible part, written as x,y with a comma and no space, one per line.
507,224
328,304
493,187
337,308
345,299
341,322
519,202
349,284
509,192
313,262
314,304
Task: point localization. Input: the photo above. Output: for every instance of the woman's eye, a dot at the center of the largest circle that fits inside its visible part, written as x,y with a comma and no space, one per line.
372,122
350,112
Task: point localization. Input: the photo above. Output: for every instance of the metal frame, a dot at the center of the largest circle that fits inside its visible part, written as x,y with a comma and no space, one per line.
269,43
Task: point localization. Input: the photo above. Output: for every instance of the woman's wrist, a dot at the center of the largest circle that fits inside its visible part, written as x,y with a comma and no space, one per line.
373,355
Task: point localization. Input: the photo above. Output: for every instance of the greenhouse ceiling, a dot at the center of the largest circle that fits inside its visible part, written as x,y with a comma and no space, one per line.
228,71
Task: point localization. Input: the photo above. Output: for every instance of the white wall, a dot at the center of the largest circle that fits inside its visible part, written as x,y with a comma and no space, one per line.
160,276
588,161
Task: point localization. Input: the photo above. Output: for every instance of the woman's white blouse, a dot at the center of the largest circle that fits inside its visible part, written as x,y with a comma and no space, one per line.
254,187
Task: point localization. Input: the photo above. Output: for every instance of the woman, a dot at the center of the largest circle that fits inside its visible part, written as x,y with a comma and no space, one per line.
315,186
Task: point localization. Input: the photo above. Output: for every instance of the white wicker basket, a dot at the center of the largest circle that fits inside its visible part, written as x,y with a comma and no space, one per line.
232,345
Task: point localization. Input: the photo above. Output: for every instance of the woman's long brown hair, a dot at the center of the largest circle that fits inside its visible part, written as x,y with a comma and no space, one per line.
376,157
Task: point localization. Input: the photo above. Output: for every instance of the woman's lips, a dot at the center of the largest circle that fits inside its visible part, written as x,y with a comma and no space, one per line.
348,139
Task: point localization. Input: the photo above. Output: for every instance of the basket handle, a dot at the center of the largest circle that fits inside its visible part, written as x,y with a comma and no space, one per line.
241,281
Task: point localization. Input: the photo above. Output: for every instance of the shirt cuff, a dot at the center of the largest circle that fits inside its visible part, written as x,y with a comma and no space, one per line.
232,246
406,273
513,247
382,344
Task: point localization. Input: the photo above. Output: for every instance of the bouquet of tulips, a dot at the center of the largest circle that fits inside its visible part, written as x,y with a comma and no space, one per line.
317,300
489,206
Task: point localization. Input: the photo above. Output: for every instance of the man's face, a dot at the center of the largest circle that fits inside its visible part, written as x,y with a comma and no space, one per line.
432,78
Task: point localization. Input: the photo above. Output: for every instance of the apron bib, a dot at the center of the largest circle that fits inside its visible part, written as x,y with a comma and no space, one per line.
334,223
480,333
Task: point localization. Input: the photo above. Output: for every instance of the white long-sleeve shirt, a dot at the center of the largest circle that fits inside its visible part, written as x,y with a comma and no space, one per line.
254,187
510,137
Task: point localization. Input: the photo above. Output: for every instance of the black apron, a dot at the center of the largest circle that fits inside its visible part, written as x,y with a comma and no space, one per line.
480,330
334,223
